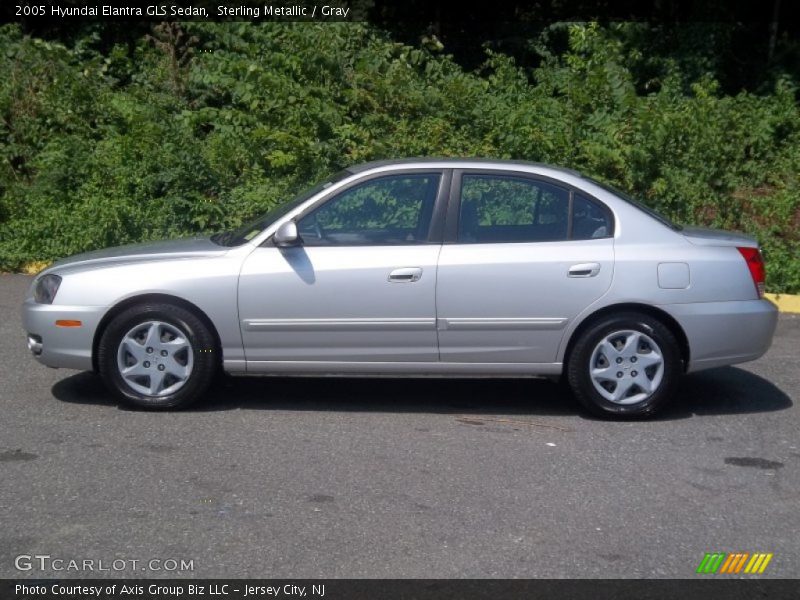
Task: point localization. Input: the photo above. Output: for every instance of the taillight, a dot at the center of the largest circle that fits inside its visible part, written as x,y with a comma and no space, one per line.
756,265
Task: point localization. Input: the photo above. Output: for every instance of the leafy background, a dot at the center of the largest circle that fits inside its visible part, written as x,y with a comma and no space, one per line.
177,129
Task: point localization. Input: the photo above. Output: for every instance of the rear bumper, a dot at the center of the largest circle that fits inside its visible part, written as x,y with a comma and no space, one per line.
725,333
54,346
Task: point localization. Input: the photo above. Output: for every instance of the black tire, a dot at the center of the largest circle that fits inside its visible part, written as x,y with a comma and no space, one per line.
583,353
201,341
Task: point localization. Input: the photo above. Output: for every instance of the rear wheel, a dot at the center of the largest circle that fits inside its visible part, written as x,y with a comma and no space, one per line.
157,356
625,366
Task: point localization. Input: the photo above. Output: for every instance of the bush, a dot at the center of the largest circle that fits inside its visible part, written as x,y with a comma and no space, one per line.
203,126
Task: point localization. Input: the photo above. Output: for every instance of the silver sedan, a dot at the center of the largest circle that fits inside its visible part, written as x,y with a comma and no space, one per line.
456,268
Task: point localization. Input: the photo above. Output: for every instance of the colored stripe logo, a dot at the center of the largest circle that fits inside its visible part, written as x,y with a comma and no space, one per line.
733,563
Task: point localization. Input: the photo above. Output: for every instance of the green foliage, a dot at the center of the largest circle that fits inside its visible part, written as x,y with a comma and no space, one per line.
201,127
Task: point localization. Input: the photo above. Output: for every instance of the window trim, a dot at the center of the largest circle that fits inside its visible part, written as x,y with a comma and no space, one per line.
453,215
435,228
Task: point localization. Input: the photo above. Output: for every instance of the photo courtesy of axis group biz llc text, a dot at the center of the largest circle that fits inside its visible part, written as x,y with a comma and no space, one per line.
176,589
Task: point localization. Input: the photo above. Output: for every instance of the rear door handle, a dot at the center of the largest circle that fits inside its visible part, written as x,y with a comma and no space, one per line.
405,275
584,270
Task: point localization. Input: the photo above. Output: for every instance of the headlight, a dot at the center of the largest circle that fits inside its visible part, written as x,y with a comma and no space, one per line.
46,289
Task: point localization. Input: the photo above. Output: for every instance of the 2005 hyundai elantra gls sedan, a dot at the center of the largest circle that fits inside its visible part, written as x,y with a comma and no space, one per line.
456,268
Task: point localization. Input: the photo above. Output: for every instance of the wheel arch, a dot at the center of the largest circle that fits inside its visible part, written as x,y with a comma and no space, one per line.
150,298
651,311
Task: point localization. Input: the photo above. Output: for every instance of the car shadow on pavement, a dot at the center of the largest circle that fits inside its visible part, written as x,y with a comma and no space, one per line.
727,390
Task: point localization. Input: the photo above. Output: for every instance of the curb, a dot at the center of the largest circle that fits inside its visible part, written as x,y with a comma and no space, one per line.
786,303
32,268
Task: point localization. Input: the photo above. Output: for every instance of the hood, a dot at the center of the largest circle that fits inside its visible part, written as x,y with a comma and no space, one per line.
149,251
703,236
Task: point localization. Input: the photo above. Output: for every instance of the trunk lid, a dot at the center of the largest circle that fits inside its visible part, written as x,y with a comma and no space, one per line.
703,236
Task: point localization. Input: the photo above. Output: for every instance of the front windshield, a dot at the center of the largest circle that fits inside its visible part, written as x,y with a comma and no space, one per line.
637,203
247,232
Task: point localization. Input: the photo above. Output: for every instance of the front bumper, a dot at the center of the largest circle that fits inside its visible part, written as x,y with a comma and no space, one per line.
725,333
54,346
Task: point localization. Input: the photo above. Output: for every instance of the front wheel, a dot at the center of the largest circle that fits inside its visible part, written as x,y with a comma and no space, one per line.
157,356
625,366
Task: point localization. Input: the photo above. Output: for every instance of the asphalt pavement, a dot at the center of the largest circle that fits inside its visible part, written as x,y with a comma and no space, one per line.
319,478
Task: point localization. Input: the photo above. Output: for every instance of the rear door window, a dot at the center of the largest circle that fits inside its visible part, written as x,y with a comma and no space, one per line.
500,208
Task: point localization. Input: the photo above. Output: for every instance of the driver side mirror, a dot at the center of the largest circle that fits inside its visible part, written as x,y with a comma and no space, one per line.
287,235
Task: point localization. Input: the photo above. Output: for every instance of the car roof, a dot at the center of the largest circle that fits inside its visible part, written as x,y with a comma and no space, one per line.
448,162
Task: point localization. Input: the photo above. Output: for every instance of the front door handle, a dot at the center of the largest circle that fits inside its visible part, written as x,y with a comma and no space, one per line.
405,275
584,270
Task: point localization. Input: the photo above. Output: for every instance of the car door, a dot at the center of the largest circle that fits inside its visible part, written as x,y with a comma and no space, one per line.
360,287
523,256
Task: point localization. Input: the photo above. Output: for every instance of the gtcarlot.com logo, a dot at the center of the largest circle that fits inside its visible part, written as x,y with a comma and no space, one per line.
46,562
724,563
